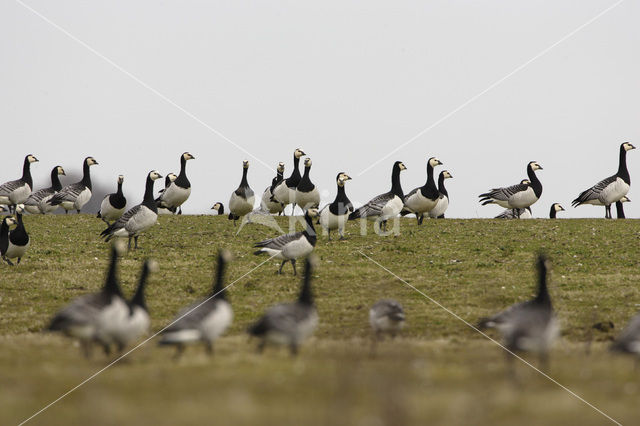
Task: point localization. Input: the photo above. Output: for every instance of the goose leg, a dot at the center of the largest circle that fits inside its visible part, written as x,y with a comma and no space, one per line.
329,234
293,347
208,346
420,219
544,362
86,348
136,241
281,266
261,346
607,212
293,262
179,352
8,261
19,259
129,246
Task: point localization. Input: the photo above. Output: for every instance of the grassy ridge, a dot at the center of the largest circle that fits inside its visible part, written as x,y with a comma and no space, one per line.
473,267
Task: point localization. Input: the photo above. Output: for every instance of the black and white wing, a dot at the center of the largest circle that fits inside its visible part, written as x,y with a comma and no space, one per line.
192,316
502,194
594,192
69,193
278,243
8,187
283,318
36,197
373,207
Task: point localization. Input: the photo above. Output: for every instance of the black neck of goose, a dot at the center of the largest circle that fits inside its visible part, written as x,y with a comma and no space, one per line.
619,210
26,172
55,180
441,188
276,180
294,179
243,182
218,287
86,175
430,180
148,200
341,197
552,212
543,292
20,223
305,176
112,286
310,231
396,187
167,182
623,173
182,180
138,297
306,295
535,182
119,191
183,166
4,236
279,175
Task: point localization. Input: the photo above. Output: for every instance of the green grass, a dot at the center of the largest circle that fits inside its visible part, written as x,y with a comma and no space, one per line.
439,371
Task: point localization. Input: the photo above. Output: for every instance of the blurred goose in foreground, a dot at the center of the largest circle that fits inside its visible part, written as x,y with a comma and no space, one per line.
629,339
289,323
518,196
179,190
113,205
555,208
620,207
75,196
443,199
423,199
386,316
17,191
242,199
37,201
335,215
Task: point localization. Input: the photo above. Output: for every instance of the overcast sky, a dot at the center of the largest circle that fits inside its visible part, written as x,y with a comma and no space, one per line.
346,81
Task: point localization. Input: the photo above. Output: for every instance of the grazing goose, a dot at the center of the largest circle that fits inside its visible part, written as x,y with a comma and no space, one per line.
289,247
530,325
218,207
516,196
75,196
267,204
285,191
86,317
4,237
443,199
629,339
205,320
515,214
18,239
611,189
242,199
167,181
179,190
386,316
307,195
17,191
113,204
385,206
620,208
37,201
423,199
138,218
335,215
555,208
289,323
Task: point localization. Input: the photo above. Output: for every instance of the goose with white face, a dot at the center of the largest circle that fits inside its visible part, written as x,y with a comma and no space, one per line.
307,194
75,196
335,215
519,196
178,190
423,199
37,203
219,208
285,191
18,191
267,203
242,199
443,198
113,205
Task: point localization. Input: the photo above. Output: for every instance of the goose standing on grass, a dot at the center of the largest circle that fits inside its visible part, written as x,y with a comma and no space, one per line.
179,190
516,196
423,199
516,214
443,199
242,199
18,239
387,205
84,316
528,326
205,320
620,207
629,339
4,237
611,189
75,196
267,204
167,181
113,205
289,247
386,316
307,195
335,215
17,191
555,208
138,218
289,323
219,208
285,191
37,201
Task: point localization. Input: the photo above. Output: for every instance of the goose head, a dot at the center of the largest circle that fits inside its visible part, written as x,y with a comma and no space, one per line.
342,178
298,153
219,207
280,167
31,158
9,220
90,161
313,212
20,209
534,165
245,164
188,156
446,174
60,171
154,175
172,177
400,165
557,207
307,162
120,179
433,162
627,146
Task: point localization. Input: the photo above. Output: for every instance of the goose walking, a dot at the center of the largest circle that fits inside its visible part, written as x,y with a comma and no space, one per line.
285,191
443,198
17,191
555,208
167,181
611,189
266,203
242,199
335,215
290,247
37,201
179,190
18,239
75,196
516,196
205,320
387,205
289,323
531,325
4,237
307,195
138,218
423,199
620,207
113,205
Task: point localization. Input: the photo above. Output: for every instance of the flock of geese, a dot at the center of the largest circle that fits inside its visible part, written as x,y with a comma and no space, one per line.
107,318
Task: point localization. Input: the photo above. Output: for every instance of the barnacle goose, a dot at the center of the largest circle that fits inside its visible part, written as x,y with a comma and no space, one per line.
335,215
37,201
205,320
629,339
18,239
620,207
386,316
289,323
555,208
89,318
515,214
516,196
17,191
113,204
443,199
531,325
167,181
4,236
138,218
75,196
289,247
285,191
242,199
307,195
423,199
218,207
266,203
387,205
611,189
179,190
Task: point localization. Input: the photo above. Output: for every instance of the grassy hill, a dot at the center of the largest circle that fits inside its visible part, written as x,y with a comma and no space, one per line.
439,371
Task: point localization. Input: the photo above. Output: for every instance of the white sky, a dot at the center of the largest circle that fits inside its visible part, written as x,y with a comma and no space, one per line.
346,81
